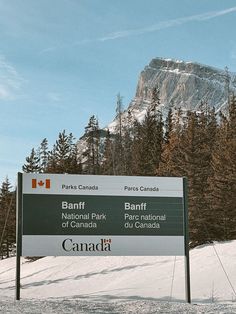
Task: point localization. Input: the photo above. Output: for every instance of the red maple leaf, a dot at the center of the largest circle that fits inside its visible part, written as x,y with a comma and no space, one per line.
41,183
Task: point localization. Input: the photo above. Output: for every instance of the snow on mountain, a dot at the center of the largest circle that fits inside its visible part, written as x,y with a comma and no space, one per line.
140,281
181,84
185,84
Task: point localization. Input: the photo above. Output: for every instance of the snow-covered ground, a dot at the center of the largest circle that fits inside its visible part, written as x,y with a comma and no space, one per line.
122,284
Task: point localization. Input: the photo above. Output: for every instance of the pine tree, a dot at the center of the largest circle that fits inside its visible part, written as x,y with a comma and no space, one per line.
232,168
32,163
63,157
224,180
128,144
190,155
171,159
168,126
108,163
62,152
74,164
207,133
91,154
148,139
137,152
118,145
195,159
7,220
52,166
43,154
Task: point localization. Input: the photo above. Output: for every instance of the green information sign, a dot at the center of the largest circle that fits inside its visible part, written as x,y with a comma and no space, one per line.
85,215
74,214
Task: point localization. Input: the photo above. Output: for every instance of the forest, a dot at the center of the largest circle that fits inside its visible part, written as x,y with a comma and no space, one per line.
199,145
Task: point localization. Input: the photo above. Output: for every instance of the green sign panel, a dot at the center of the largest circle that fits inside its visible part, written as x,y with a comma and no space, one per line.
62,213
102,215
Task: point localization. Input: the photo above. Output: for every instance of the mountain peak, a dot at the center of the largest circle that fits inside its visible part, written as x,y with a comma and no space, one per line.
183,84
184,66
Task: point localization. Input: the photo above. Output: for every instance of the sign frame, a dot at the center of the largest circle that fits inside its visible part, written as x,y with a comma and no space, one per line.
19,227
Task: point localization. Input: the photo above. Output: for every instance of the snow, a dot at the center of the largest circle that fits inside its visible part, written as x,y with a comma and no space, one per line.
220,71
122,284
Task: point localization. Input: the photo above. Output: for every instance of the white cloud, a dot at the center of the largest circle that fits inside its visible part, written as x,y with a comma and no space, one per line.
54,97
163,25
148,29
3,92
46,50
10,80
211,15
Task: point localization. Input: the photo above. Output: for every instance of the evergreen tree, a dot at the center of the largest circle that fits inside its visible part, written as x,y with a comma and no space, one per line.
62,152
127,145
168,126
171,159
190,155
137,152
52,166
63,157
118,145
91,154
32,163
7,220
224,180
108,156
74,163
195,158
119,111
149,139
43,155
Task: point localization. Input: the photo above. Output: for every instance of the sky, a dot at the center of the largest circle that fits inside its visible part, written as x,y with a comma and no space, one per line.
62,61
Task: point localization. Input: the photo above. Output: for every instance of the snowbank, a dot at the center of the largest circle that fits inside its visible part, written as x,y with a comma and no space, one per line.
115,279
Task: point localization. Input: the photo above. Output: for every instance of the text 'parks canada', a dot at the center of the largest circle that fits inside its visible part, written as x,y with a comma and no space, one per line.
79,187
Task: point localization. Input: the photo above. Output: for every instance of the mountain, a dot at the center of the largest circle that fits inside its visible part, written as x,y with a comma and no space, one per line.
181,84
185,85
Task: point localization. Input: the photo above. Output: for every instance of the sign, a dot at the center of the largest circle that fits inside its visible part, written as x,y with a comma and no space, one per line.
102,215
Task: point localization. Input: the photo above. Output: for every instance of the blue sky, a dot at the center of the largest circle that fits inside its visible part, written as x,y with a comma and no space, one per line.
62,61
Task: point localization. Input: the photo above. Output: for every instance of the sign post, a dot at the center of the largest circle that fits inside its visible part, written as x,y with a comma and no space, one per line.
88,215
186,243
18,233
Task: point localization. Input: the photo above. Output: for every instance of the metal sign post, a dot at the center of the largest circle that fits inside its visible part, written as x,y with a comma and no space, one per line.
18,233
186,243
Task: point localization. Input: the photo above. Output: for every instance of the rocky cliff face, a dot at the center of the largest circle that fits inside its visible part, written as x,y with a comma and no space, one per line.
181,84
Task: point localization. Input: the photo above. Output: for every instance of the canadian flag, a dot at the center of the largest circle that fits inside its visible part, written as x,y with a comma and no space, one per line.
46,183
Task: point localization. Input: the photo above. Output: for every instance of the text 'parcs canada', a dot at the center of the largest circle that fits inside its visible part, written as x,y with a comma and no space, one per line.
141,188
